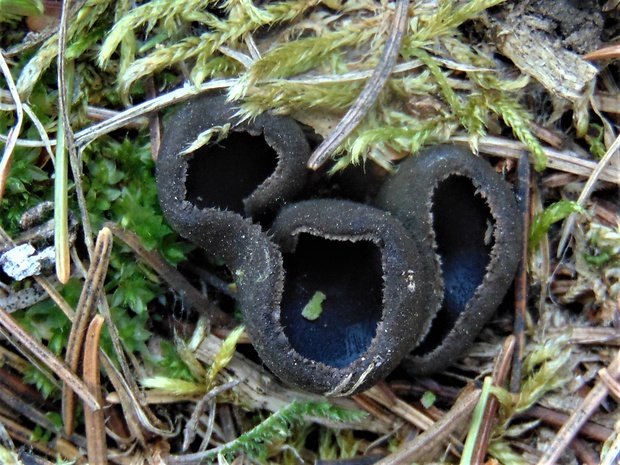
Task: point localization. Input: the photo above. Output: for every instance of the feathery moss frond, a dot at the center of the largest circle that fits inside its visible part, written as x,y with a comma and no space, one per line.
405,138
174,386
516,117
448,93
297,56
286,96
502,451
219,132
545,369
216,66
279,426
243,18
150,14
445,19
225,354
164,58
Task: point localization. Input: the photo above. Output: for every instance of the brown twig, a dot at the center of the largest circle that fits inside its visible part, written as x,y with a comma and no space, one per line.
606,53
500,373
590,430
85,310
59,447
371,91
584,452
95,424
16,401
522,188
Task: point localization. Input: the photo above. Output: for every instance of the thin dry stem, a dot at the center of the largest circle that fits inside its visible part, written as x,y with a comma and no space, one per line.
7,156
587,190
369,93
580,416
566,161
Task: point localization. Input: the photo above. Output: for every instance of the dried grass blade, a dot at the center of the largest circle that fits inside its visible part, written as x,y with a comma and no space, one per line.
476,425
522,188
499,375
128,402
63,146
61,209
399,407
95,424
558,160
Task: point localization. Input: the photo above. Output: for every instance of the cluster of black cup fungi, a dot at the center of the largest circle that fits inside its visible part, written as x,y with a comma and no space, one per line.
334,293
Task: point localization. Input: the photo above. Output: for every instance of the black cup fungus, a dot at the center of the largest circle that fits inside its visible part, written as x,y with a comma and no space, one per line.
467,214
354,297
342,292
254,167
248,167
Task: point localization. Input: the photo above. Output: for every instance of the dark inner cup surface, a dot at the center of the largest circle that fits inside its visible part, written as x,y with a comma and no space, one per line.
350,276
464,233
222,175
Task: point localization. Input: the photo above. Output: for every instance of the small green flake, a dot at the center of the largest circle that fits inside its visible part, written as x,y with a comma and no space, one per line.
428,399
313,309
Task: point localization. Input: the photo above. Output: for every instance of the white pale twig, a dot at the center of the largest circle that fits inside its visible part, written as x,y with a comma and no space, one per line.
7,156
587,190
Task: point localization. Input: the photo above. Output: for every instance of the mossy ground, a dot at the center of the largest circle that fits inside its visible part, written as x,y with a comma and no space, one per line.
458,78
